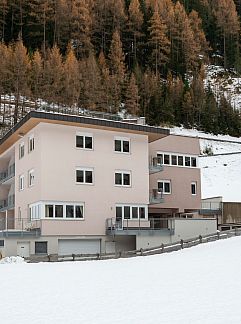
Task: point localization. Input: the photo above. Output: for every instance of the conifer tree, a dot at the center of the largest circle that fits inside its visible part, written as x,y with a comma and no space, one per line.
37,77
132,97
4,7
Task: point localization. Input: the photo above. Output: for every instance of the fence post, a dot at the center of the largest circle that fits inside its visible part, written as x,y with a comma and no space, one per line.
162,247
49,257
141,250
73,256
218,234
182,245
200,239
235,231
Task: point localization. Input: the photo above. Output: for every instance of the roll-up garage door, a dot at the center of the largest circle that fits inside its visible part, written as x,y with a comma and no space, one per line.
67,247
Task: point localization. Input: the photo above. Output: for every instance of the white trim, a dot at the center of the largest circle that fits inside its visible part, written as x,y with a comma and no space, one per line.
21,182
21,145
122,172
84,135
122,139
177,155
84,169
31,173
195,184
31,139
165,181
131,206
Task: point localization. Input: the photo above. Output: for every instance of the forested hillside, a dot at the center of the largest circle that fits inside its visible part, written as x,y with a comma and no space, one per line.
146,56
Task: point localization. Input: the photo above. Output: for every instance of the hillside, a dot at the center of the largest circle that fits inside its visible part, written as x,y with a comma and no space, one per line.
196,285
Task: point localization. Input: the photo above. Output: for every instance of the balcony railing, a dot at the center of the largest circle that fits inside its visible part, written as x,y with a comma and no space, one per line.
155,165
156,197
8,203
8,174
14,226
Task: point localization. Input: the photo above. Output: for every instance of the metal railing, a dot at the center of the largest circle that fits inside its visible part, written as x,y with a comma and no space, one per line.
8,174
8,203
155,165
10,222
156,197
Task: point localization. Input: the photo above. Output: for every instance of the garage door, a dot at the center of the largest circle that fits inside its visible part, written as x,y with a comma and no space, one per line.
79,247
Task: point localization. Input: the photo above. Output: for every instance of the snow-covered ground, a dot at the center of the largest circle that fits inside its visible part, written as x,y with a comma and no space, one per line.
197,285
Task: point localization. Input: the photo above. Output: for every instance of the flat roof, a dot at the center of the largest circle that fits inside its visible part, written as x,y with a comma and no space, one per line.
33,118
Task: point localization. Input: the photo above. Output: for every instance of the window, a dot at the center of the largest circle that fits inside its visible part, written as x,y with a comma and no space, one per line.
127,212
49,211
84,176
21,182
160,159
123,178
31,143
194,162
41,247
59,211
180,160
21,150
174,160
1,243
84,141
79,211
130,212
187,161
122,145
31,178
69,211
194,188
134,212
166,159
142,212
164,186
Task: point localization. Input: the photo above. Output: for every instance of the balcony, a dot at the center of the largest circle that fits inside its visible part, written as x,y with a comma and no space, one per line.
8,174
152,226
155,165
7,204
156,197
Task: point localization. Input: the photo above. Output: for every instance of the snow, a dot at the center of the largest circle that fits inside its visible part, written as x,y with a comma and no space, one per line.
12,259
196,285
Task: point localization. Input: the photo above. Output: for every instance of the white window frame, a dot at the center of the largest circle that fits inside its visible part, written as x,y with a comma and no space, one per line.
122,172
21,182
31,175
84,135
21,150
165,181
31,143
131,206
179,155
195,185
84,170
122,139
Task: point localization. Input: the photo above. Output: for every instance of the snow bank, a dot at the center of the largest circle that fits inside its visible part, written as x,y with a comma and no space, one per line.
12,259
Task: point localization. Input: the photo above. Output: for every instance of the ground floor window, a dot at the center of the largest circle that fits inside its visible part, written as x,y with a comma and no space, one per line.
1,243
41,247
131,212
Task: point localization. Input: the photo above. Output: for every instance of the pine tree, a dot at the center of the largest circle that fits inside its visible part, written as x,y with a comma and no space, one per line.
4,7
132,97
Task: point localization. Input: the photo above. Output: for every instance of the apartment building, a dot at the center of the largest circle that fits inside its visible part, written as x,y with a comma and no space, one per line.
75,184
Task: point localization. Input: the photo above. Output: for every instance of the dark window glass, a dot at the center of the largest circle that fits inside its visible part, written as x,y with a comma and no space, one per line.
142,212
174,160
167,187
160,186
79,211
69,211
49,211
117,145
194,189
194,162
127,212
160,159
118,179
118,212
126,146
41,247
126,178
180,160
88,142
80,141
134,212
166,159
59,211
1,243
187,161
80,176
88,177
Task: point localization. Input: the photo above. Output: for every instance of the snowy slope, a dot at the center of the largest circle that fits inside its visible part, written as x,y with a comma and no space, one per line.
197,285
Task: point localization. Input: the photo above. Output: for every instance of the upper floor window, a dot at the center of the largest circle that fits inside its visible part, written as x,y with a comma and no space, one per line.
194,188
84,175
60,210
123,178
84,141
122,145
31,143
31,178
21,182
164,186
175,159
130,212
21,150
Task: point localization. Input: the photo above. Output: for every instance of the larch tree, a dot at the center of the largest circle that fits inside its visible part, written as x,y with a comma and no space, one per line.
37,77
105,81
132,104
4,7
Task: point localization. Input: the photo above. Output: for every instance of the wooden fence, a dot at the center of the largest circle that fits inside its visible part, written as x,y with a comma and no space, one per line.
164,248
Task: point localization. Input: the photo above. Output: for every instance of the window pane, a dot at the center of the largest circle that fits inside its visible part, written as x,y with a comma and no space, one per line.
167,187
187,161
126,178
134,212
49,211
88,177
118,179
127,212
59,211
41,247
174,160
142,212
194,162
118,213
160,186
79,176
80,141
1,243
79,211
88,142
117,145
193,189
180,160
69,211
166,159
126,146
160,159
